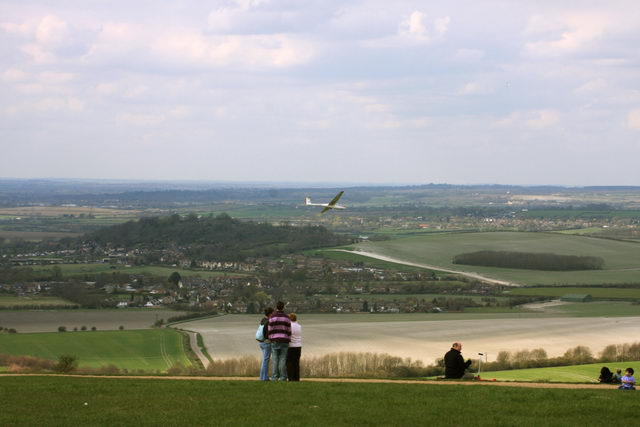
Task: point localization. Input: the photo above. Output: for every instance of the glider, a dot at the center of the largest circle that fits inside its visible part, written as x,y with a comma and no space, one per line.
331,205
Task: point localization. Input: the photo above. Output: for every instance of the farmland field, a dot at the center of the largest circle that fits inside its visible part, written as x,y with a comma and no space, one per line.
621,258
49,320
78,269
567,374
65,401
425,336
35,235
150,350
15,301
596,292
30,211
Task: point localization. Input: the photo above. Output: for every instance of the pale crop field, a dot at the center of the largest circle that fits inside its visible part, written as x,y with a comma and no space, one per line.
423,337
621,258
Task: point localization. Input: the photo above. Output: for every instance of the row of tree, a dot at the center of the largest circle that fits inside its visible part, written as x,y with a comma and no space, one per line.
530,260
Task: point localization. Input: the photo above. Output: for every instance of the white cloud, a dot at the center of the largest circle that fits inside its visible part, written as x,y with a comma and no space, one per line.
542,119
536,119
52,31
475,88
592,86
633,119
580,32
14,75
417,27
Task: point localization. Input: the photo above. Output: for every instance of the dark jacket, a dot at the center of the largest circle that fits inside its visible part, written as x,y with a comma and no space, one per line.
454,364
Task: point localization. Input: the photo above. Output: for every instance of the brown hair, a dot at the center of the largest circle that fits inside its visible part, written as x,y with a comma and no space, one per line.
293,317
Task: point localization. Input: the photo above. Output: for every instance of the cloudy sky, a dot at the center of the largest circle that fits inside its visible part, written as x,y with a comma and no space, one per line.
467,91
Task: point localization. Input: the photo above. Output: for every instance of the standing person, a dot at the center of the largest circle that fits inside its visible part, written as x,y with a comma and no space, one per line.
295,349
454,364
280,336
265,344
628,382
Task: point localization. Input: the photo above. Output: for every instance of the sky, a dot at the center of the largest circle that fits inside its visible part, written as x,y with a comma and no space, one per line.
457,91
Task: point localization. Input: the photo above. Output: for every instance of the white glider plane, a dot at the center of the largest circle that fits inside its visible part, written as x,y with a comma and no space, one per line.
331,205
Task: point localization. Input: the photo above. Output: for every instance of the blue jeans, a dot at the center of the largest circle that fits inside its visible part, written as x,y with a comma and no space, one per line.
279,365
266,355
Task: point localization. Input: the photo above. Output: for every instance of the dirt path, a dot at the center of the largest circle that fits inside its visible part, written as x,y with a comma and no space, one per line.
193,341
345,380
430,267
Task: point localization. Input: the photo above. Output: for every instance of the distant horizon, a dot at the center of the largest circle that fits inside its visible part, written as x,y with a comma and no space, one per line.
300,184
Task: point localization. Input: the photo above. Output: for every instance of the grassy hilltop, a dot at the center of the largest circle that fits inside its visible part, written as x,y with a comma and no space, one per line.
620,258
109,401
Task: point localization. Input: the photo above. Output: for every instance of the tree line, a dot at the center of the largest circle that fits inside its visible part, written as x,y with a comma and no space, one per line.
221,238
530,260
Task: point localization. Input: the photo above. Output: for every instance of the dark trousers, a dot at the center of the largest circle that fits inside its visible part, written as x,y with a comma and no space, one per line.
293,363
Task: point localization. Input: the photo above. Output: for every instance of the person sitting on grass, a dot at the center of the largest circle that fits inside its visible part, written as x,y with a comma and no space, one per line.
454,364
628,382
606,376
617,376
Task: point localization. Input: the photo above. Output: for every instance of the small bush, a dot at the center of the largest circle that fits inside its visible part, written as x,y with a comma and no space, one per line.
12,331
75,329
93,328
176,369
62,329
84,328
109,370
121,328
66,363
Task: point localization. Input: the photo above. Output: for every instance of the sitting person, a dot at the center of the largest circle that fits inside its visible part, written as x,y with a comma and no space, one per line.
454,364
606,376
628,382
617,376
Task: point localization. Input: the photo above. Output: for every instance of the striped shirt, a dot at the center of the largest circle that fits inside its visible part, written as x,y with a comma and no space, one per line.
279,327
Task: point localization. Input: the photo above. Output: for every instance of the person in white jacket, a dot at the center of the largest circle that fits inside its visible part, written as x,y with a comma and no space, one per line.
295,349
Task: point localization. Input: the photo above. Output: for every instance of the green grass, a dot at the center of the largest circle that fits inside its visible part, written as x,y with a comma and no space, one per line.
150,350
59,401
587,230
621,258
79,269
368,262
597,309
565,374
596,292
16,301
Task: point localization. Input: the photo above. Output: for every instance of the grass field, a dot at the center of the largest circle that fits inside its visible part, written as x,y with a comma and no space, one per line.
104,320
15,301
621,258
596,292
78,269
565,374
151,402
150,350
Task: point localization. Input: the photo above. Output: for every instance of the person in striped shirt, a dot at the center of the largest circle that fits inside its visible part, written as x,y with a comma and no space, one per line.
280,336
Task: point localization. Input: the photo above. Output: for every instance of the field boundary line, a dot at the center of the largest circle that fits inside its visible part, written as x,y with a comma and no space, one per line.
342,380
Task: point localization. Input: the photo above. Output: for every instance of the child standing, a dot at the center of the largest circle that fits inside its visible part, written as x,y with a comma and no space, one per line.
628,382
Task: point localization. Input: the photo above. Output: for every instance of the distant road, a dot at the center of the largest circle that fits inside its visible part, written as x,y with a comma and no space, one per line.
430,267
